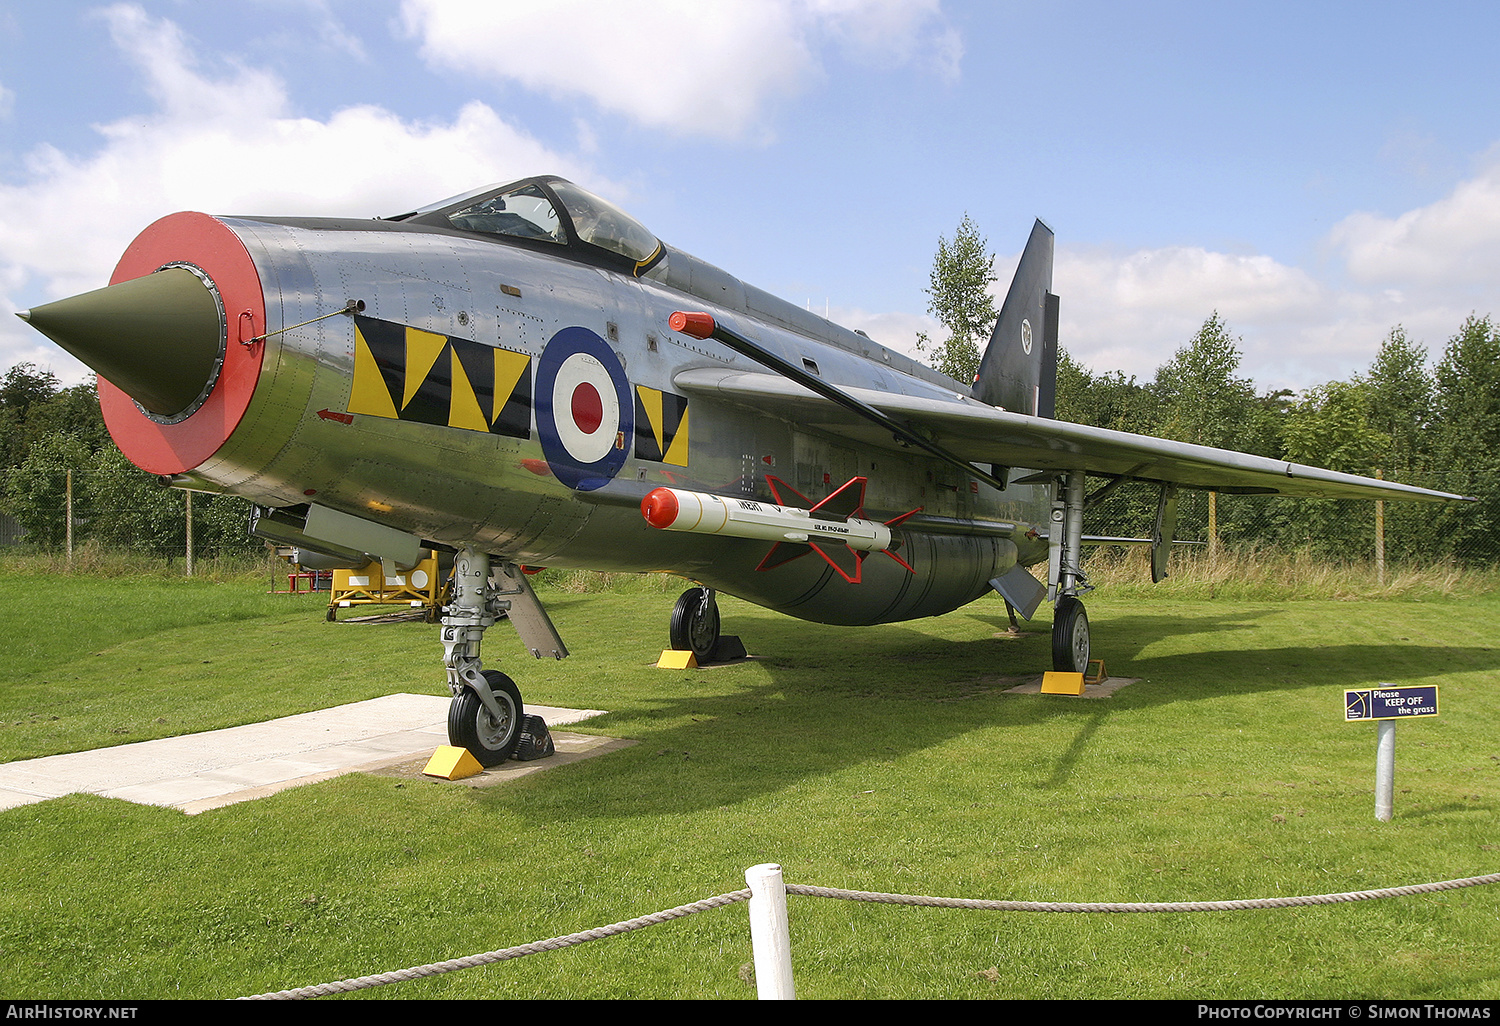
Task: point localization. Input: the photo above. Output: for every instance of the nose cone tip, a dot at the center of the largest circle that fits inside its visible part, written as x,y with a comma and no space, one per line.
159,339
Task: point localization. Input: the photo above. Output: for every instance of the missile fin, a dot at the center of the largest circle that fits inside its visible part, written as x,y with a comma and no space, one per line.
845,502
896,520
892,553
783,552
858,557
777,485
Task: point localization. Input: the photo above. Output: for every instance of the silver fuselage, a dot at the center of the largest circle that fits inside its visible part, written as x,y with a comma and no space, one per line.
458,487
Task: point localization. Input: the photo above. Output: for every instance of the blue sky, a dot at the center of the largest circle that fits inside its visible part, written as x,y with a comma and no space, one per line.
1316,172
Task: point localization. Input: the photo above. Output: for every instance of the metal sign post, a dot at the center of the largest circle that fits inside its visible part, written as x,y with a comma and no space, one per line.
1386,704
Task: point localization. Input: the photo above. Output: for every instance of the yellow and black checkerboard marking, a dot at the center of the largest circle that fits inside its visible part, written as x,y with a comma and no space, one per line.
661,426
405,373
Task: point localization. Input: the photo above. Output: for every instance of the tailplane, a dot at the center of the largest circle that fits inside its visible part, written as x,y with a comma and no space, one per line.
1019,368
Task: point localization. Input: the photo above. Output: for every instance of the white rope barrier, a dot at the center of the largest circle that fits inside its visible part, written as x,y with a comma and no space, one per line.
437,968
1141,906
771,937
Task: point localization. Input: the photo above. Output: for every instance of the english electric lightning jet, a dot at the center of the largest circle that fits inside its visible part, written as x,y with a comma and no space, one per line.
526,375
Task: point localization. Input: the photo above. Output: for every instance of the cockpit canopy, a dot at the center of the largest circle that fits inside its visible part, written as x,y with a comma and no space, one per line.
548,212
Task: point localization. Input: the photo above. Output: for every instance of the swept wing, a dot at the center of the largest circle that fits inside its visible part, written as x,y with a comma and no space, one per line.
979,433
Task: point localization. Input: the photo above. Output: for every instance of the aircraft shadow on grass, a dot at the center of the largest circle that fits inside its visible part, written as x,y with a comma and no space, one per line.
833,702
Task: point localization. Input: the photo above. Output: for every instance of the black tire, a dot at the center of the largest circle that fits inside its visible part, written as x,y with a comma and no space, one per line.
1070,637
471,726
695,623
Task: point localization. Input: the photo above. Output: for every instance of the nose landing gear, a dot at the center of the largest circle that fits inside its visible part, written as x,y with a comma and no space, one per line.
489,738
487,715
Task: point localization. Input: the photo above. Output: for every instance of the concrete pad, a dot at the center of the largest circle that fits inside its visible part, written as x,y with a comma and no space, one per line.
570,748
1101,690
204,771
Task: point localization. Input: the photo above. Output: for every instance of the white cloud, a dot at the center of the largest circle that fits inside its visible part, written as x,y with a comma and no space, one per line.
330,30
224,143
892,32
688,66
897,331
1452,243
1132,312
1426,269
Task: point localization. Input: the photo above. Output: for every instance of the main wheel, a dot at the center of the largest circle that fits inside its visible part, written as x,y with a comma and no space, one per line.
472,726
695,623
1070,637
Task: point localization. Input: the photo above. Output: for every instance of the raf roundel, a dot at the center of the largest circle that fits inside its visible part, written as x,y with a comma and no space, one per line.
584,412
1026,336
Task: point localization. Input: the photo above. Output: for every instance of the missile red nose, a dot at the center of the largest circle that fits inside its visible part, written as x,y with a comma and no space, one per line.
698,325
660,508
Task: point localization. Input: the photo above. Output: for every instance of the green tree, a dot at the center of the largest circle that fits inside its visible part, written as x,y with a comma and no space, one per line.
25,385
1199,398
1077,401
221,526
1331,427
23,388
132,511
1401,408
73,411
958,296
1108,400
1466,442
36,491
1401,396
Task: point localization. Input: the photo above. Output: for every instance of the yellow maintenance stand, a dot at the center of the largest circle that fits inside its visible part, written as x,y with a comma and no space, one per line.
421,587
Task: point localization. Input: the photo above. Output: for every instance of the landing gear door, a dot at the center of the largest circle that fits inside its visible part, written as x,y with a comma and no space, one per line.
1023,591
1162,534
526,613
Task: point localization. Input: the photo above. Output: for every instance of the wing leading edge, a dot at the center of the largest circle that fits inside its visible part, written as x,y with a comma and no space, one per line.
984,434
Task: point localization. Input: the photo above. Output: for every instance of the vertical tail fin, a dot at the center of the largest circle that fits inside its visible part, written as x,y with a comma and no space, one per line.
1019,368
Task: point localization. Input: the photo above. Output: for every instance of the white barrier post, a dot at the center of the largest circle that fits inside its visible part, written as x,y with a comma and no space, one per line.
770,935
1385,769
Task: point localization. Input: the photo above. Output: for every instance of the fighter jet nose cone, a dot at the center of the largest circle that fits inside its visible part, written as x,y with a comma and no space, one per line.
25,315
159,339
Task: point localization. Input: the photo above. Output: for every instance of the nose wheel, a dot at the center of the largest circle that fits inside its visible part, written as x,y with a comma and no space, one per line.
1070,636
695,623
492,740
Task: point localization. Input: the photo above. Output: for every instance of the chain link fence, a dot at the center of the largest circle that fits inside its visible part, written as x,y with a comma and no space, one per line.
1401,533
54,509
124,508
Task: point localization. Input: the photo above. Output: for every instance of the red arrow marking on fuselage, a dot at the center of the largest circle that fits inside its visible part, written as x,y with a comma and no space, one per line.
342,418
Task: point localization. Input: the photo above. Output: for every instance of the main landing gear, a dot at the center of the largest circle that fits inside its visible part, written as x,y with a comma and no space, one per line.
1070,636
1065,578
695,623
487,713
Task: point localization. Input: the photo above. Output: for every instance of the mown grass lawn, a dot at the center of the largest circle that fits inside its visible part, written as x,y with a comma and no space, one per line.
887,758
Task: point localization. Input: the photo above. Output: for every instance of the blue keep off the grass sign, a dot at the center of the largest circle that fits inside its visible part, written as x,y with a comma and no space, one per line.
1390,703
